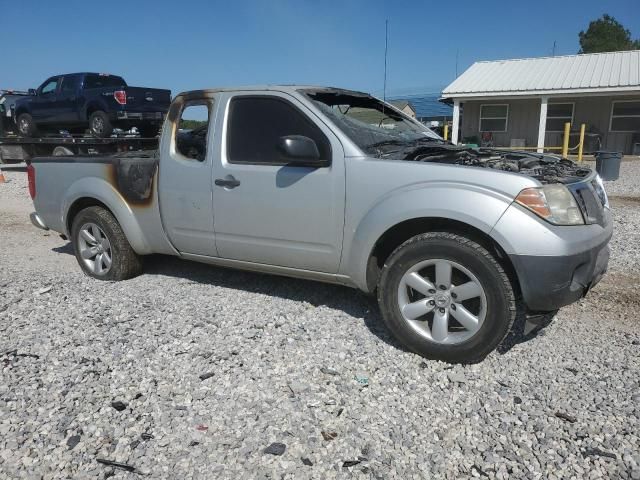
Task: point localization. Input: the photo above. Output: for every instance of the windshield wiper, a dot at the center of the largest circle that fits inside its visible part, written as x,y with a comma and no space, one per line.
386,142
395,141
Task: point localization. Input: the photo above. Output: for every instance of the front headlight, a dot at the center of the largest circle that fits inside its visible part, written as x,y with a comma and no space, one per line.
598,186
554,203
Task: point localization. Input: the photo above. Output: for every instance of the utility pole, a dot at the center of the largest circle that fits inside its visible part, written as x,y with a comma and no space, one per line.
386,47
553,50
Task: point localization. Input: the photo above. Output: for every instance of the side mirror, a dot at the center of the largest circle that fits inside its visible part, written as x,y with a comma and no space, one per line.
32,91
299,150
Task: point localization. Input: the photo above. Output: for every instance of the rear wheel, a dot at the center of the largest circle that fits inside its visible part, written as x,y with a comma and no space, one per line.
100,125
101,247
446,297
26,126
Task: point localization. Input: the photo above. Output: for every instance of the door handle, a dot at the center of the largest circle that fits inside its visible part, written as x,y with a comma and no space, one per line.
228,182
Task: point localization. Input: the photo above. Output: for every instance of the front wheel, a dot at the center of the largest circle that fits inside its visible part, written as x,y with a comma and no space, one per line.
101,247
26,126
446,297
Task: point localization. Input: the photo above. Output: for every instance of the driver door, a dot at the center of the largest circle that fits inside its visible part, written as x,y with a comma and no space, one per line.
43,105
268,211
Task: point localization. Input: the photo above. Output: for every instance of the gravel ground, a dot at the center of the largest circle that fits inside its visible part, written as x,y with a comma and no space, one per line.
195,372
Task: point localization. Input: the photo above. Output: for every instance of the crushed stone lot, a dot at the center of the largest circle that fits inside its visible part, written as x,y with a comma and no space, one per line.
191,371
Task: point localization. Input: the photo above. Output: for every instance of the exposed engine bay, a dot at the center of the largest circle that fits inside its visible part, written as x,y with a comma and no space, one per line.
544,168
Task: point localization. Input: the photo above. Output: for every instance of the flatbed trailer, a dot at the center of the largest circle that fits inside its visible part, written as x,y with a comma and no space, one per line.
14,149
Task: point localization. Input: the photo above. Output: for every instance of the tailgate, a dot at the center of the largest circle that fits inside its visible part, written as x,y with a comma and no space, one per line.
140,99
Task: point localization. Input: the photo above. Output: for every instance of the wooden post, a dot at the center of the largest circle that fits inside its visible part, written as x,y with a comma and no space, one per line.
581,146
446,131
565,143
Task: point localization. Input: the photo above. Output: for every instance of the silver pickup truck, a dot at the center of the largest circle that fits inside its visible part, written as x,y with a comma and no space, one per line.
337,186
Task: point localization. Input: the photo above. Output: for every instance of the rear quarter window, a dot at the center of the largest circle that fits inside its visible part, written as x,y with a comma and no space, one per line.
100,81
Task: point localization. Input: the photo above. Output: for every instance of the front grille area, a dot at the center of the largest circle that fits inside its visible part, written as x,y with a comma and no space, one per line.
589,202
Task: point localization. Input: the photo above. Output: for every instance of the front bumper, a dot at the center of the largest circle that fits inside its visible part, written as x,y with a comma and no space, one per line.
551,282
37,221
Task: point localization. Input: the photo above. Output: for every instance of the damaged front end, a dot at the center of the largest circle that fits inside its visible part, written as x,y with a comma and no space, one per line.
570,194
544,168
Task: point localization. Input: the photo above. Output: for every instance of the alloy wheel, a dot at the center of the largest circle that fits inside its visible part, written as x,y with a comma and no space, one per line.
95,249
442,301
97,125
23,126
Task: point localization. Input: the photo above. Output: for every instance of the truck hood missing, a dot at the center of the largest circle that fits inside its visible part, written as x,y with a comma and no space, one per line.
543,168
380,130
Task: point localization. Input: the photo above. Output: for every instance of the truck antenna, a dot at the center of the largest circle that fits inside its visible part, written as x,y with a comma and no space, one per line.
386,47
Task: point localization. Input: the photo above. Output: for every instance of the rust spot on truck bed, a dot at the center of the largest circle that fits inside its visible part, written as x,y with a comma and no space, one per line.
133,177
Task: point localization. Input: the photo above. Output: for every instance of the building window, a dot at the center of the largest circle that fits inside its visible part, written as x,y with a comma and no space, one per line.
625,116
493,118
557,115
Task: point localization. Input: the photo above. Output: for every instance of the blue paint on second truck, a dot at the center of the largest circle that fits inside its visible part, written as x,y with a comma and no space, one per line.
97,101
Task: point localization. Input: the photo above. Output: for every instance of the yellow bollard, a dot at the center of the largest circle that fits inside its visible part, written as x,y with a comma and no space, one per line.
581,145
565,143
446,132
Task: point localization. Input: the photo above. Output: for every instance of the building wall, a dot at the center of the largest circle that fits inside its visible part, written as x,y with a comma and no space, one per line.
409,111
524,117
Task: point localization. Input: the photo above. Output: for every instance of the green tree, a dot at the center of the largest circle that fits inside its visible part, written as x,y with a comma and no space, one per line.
606,34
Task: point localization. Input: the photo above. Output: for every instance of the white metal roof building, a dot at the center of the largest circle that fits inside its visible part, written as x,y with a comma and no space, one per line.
506,89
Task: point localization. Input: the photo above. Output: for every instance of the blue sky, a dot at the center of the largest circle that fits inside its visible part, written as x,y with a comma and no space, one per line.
196,44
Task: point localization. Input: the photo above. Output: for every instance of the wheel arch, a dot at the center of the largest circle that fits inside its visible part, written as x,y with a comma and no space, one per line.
92,191
80,204
399,233
20,110
93,107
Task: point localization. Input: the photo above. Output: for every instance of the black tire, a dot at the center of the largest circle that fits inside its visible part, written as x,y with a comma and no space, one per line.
125,263
499,293
26,126
149,131
99,124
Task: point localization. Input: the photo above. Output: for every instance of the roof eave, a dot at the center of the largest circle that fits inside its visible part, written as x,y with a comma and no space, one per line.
542,93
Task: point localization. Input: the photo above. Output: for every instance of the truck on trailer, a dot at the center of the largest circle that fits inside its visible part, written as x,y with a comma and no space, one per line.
95,101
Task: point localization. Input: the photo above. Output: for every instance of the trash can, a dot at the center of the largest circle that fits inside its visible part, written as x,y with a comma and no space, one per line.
608,165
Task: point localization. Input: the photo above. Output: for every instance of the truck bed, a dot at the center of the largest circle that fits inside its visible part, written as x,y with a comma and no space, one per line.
127,181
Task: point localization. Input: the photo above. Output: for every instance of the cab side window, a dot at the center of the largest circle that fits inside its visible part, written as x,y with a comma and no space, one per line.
256,123
192,131
69,84
49,86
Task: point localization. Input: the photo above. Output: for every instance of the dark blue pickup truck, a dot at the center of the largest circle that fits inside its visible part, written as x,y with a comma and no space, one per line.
99,102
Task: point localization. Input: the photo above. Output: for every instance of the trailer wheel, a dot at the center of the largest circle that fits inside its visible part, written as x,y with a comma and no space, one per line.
100,125
26,126
61,151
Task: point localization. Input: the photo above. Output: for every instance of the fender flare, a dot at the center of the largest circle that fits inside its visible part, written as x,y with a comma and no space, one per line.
94,105
102,191
476,206
21,109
